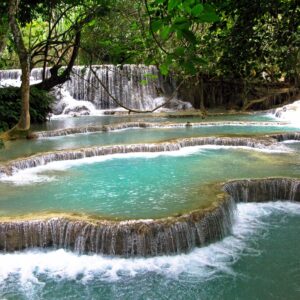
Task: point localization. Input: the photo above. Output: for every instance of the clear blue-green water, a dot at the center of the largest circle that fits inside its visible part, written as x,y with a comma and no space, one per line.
260,260
138,185
21,148
67,122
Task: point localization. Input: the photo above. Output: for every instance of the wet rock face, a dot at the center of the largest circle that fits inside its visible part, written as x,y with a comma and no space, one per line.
77,111
280,137
176,104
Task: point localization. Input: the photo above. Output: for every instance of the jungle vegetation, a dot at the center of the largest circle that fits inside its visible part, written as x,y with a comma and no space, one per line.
250,44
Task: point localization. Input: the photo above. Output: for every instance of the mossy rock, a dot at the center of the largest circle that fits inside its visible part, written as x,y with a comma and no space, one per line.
1,144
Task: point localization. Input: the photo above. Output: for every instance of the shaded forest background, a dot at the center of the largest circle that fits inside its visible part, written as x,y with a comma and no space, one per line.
235,54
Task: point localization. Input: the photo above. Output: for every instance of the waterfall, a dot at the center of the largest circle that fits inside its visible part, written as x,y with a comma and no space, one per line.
290,112
289,136
135,86
172,235
125,238
262,190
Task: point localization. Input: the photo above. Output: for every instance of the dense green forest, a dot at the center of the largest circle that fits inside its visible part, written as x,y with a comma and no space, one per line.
249,44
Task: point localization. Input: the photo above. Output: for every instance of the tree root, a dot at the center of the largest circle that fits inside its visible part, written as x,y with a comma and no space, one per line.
14,133
287,93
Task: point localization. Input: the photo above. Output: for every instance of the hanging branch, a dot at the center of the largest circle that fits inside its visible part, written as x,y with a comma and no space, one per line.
151,30
119,103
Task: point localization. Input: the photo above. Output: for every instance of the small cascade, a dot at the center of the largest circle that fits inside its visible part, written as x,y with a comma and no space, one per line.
137,87
289,136
43,159
172,235
135,125
13,77
262,190
290,113
126,238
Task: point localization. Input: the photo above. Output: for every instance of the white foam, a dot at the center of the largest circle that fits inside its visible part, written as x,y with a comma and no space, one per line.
291,142
33,175
203,262
70,104
16,82
276,148
290,113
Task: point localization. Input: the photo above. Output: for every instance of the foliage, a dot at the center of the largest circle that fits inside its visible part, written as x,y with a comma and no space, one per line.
168,34
248,41
116,37
260,40
10,106
177,27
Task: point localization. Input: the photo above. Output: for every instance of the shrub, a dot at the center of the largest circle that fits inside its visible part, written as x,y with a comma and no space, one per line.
10,106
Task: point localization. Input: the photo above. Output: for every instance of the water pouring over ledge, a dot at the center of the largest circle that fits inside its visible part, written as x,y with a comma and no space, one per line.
81,240
137,87
142,237
147,237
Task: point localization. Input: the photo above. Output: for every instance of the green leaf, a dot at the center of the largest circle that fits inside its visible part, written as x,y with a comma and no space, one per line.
165,31
164,69
189,68
92,22
208,14
209,17
181,23
172,4
179,51
189,36
150,76
134,25
186,7
179,34
156,25
197,10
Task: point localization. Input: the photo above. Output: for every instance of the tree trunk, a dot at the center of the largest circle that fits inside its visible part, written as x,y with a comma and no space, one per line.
24,57
56,79
201,85
3,36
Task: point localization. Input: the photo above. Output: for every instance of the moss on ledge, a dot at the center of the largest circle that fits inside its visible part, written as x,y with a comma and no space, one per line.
171,235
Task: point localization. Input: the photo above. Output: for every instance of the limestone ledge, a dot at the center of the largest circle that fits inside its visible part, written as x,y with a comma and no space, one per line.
269,142
138,125
171,235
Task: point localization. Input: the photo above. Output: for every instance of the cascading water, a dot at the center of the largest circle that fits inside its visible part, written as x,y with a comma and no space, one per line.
146,237
290,112
264,143
262,190
127,238
135,86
